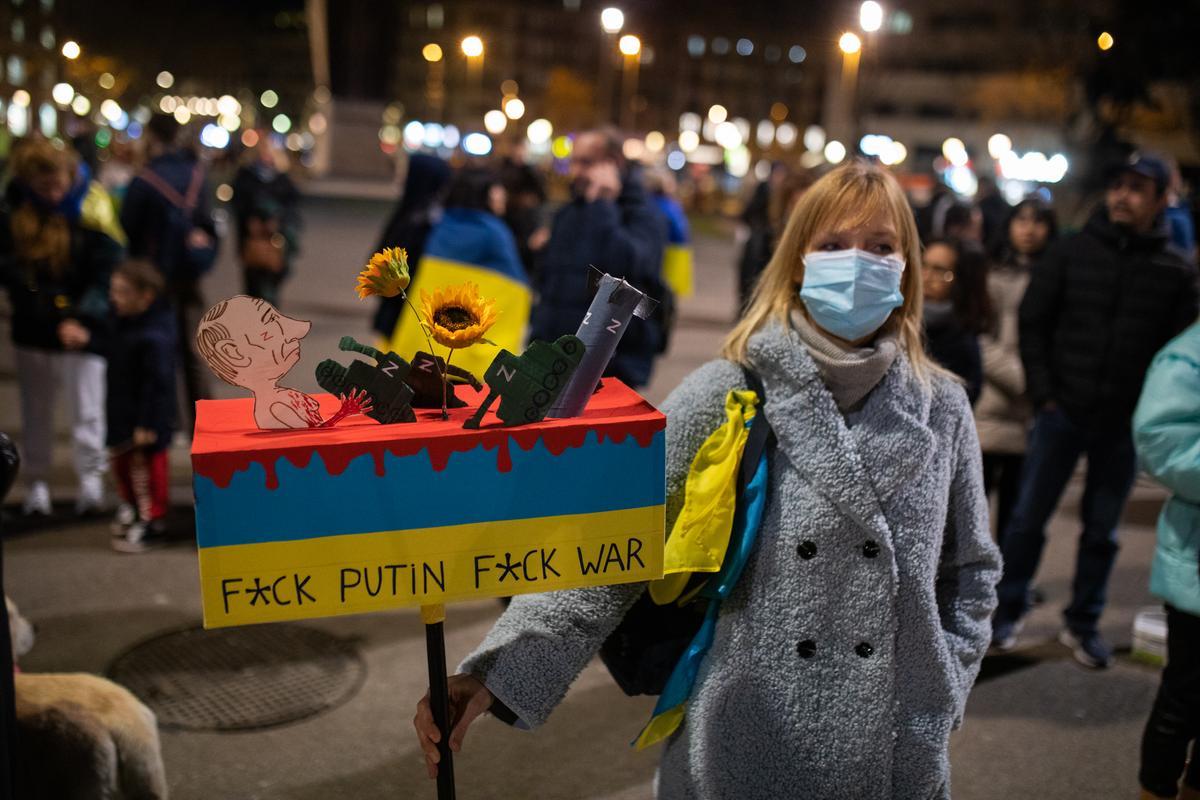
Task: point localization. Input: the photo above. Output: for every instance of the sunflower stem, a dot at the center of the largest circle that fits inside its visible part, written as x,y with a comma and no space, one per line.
446,383
425,331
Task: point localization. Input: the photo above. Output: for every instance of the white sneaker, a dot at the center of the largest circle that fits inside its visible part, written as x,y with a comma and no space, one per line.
91,495
37,499
125,516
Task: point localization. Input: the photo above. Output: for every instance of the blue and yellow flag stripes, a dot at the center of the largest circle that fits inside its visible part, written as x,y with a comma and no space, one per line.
678,270
726,537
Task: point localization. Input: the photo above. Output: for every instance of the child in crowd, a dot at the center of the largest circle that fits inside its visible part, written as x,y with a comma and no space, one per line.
956,308
141,403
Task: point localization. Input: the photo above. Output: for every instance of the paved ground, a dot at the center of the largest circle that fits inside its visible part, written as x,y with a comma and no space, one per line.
1036,726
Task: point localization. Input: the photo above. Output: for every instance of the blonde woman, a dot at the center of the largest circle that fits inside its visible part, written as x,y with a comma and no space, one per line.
844,656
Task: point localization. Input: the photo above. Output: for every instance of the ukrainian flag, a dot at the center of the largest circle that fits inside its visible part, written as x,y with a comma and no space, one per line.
469,245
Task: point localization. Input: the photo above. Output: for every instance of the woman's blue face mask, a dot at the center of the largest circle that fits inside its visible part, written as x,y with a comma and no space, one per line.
851,293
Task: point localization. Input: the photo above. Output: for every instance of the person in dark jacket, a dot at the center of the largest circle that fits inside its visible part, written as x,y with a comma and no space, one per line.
609,224
141,402
266,205
956,310
168,217
59,242
1098,307
408,227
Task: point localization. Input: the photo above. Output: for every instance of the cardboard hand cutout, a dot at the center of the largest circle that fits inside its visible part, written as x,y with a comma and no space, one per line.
248,343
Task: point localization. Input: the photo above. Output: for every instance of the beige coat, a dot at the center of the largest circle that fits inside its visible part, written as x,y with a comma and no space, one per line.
1003,412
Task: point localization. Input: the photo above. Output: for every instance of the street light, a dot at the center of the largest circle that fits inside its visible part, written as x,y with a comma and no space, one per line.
432,52
1105,41
612,20
71,49
849,43
514,108
472,46
495,122
870,16
717,114
630,45
165,80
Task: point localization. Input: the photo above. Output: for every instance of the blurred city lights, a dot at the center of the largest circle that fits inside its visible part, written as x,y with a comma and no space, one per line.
728,135
876,145
1105,41
895,154
689,141
690,121
17,117
450,136
955,151
168,104
281,123
962,180
561,148
165,80
21,98
432,52
106,80
121,122
472,47
81,105
71,49
230,122
103,138
612,20
477,144
62,93
318,123
630,45
633,149
744,47
814,138
779,112
870,16
435,135
249,139
797,54
214,136
228,104
737,161
785,134
514,108
495,122
539,131
655,141
998,144
509,87
765,133
110,110
835,151
717,114
762,170
414,134
224,192
269,98
849,43
322,95
182,115
1033,167
47,119
294,142
676,160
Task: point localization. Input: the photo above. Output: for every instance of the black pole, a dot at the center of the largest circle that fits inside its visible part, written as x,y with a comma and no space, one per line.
439,699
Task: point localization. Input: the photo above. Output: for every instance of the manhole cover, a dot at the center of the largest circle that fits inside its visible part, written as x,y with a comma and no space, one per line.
240,678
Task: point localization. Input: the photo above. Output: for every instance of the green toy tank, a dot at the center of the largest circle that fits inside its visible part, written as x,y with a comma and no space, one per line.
383,381
527,385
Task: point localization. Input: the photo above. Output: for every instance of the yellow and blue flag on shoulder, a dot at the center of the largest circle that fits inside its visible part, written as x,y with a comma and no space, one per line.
476,246
712,534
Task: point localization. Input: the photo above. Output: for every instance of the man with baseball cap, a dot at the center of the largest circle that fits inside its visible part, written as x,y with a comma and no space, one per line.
1099,305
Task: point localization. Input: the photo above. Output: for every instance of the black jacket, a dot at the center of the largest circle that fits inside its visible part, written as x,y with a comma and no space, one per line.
40,300
270,196
146,216
141,376
1099,305
623,238
957,349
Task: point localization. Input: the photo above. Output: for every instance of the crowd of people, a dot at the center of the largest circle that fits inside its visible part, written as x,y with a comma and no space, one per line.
104,280
904,399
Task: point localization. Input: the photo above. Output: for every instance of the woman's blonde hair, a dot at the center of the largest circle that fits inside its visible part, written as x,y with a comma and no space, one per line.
847,197
41,239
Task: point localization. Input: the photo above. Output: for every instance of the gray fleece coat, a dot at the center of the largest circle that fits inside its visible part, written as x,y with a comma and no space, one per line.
843,658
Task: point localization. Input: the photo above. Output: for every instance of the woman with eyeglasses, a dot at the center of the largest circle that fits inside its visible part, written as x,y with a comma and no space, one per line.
956,308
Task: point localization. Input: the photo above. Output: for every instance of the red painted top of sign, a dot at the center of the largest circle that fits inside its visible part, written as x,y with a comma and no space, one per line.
226,440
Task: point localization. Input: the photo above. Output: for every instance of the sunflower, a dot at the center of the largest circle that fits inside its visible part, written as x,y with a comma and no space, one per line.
457,316
386,274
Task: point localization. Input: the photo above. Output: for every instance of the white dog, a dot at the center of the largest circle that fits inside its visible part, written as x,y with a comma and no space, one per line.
80,736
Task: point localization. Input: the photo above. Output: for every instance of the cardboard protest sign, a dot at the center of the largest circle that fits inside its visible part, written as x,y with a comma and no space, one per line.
309,523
